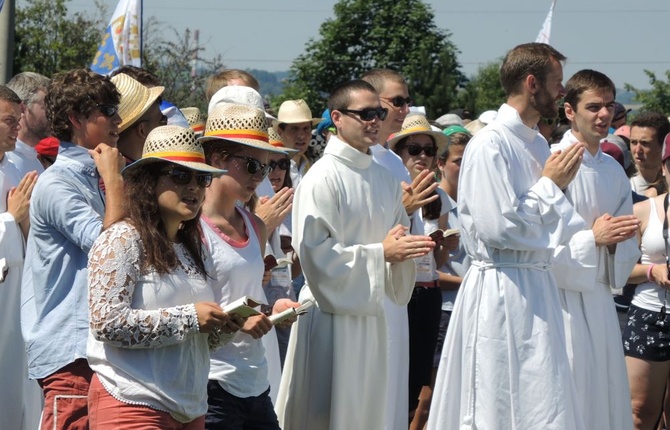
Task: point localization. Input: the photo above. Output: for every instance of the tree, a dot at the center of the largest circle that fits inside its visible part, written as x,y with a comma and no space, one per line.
658,98
49,41
483,91
173,64
397,34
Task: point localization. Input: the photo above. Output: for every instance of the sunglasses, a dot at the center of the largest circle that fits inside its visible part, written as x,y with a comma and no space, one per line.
400,101
368,114
184,177
108,110
415,150
254,166
283,164
551,121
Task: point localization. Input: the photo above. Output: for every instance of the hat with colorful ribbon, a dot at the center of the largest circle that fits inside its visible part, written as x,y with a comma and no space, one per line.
195,119
177,145
277,141
228,122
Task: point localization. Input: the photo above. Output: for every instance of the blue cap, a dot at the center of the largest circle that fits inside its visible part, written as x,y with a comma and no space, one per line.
326,123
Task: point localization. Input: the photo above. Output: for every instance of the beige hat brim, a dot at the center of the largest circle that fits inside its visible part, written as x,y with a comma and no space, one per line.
210,140
440,139
314,121
154,93
193,165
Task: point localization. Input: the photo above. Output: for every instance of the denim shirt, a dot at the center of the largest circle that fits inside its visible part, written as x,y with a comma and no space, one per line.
66,212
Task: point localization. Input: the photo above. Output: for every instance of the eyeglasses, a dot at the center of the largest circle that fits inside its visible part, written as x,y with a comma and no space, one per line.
108,110
283,164
399,101
368,114
254,166
184,177
550,121
415,150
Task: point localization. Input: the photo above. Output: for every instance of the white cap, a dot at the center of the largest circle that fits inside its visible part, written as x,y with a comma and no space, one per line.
238,95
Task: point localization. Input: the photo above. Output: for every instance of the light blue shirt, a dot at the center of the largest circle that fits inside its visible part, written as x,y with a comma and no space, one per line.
66,212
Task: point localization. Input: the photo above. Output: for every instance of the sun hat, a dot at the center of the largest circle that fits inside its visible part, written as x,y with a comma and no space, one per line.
195,119
294,112
276,141
176,145
418,124
238,94
238,123
449,119
136,99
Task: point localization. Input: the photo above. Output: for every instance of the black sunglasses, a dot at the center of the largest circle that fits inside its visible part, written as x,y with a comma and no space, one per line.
108,110
400,101
283,164
415,150
254,166
368,114
181,176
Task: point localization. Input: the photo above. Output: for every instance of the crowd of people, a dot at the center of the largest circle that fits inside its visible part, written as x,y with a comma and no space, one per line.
371,268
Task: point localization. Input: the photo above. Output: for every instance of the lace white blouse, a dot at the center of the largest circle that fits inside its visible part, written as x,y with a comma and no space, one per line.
144,342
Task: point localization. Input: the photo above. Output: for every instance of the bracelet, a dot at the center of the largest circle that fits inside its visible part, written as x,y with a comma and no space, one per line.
649,278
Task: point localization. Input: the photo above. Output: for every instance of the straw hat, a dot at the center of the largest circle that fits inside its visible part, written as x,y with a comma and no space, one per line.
136,99
177,145
294,112
418,124
195,119
240,95
240,124
276,141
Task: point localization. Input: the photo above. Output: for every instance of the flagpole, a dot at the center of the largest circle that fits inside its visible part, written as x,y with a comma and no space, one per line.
6,40
141,30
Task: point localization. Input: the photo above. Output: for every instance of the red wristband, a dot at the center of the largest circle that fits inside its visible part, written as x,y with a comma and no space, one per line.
649,278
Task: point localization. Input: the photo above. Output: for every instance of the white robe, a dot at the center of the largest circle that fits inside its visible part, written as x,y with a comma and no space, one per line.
584,274
18,393
504,363
335,376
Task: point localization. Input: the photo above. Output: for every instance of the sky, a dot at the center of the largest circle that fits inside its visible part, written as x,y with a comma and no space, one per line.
618,37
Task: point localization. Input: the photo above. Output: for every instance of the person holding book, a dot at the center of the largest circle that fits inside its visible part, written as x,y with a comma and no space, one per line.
152,296
417,145
236,139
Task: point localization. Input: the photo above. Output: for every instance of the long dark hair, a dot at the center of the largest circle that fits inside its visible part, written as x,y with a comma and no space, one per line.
141,204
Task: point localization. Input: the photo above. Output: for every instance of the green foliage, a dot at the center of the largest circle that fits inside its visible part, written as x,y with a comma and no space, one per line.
397,34
658,98
49,41
483,91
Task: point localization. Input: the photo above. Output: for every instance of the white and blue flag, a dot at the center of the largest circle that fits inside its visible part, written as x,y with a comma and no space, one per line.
122,42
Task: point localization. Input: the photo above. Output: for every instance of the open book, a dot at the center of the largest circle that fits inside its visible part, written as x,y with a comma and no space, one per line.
444,233
244,307
288,313
275,263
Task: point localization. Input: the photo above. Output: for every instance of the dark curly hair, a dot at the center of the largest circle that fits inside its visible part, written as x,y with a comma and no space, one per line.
76,92
141,205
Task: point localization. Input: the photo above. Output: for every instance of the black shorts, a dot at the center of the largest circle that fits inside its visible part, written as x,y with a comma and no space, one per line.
646,335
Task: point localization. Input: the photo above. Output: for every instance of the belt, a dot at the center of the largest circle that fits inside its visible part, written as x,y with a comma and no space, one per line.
431,284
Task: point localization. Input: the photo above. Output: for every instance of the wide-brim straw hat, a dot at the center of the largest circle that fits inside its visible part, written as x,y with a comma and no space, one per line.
177,145
195,119
276,140
229,122
136,99
294,112
418,124
238,94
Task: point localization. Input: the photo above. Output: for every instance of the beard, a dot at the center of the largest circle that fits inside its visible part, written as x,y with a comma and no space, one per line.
545,104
